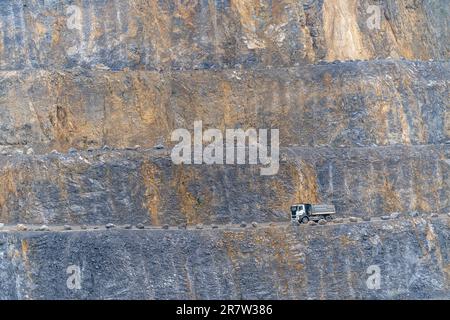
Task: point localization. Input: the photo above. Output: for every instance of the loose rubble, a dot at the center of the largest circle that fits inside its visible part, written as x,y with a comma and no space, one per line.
140,226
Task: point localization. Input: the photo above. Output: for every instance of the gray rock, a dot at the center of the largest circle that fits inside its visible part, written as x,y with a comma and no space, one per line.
43,228
414,214
106,148
84,227
434,215
199,226
21,227
182,226
322,222
140,226
353,219
73,151
159,146
311,223
243,224
254,224
395,215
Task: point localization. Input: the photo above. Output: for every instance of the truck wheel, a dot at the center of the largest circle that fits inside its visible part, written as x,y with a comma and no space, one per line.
305,220
328,218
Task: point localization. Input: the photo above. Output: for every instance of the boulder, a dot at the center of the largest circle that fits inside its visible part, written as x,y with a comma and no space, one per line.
21,227
395,215
43,228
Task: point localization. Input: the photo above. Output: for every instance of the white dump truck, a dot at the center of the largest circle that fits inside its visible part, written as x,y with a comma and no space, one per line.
304,212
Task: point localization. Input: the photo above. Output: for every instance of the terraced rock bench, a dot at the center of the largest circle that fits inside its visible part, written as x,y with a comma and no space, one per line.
277,262
347,104
125,187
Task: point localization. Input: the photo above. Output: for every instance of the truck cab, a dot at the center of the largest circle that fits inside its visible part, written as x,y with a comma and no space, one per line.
298,213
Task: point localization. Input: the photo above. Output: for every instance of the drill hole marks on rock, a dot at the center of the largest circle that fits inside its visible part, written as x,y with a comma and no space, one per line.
234,147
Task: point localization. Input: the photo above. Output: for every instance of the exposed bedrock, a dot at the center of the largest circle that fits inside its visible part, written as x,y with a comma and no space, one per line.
156,35
131,187
91,91
345,104
276,262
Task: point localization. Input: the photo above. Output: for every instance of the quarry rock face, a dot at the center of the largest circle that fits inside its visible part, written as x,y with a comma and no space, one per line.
174,35
348,104
279,262
91,92
135,186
